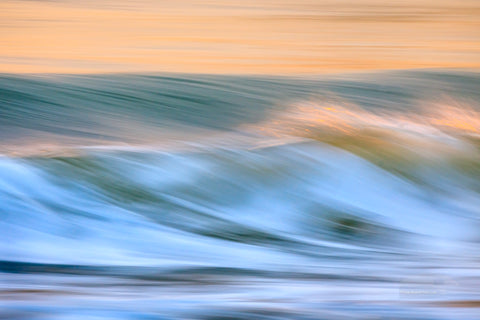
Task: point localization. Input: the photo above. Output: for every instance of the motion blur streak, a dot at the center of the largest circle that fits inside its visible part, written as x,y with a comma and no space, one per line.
254,159
226,36
162,196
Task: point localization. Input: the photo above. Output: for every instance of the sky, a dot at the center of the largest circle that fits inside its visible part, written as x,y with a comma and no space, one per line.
237,37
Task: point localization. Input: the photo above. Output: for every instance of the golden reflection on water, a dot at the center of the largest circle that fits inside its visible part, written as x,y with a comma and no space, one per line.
283,36
310,118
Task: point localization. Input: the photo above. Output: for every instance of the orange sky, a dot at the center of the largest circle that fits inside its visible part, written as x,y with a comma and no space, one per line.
262,36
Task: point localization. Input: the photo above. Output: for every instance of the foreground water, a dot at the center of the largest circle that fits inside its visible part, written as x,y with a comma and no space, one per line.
209,197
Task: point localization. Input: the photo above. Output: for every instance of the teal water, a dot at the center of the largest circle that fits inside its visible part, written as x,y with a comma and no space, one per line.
234,197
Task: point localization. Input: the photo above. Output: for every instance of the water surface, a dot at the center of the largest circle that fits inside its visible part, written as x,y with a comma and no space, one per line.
162,196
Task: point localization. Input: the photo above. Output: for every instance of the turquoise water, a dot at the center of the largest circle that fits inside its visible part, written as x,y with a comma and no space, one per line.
212,197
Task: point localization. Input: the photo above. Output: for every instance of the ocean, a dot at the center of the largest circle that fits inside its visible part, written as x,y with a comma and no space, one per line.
180,196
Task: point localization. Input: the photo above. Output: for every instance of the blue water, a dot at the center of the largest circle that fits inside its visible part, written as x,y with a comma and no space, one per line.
232,197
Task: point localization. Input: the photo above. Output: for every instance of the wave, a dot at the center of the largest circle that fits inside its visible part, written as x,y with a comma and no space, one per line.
315,193
55,111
